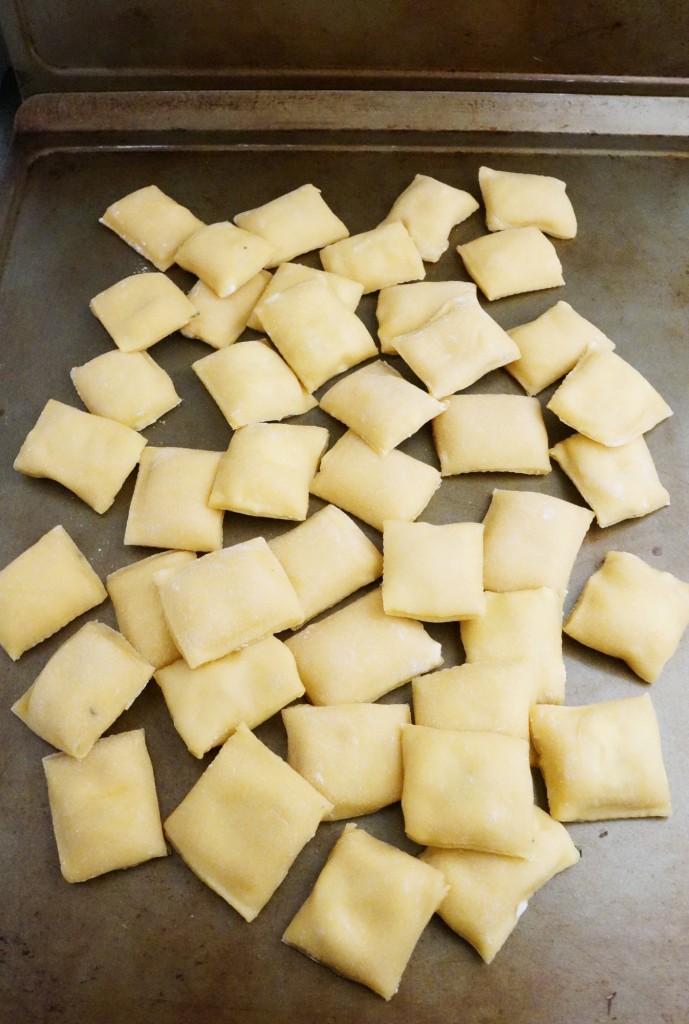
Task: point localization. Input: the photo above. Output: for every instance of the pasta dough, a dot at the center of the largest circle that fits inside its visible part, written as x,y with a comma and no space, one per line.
602,761
89,455
141,310
513,261
224,257
351,753
630,610
242,825
349,292
152,223
491,433
404,308
358,653
429,209
128,387
104,807
367,911
44,588
515,200
220,321
294,223
376,259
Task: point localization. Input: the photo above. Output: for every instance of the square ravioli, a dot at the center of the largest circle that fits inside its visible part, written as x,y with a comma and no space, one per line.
135,597
434,573
44,588
367,910
358,653
517,200
89,455
602,761
618,483
104,807
608,400
633,611
551,346
128,387
374,487
531,540
489,892
267,470
457,347
491,434
295,223
227,599
208,703
521,627
169,506
141,310
480,697
251,383
316,334
488,807
219,322
429,209
379,405
403,308
90,680
224,257
511,262
327,538
351,753
349,292
152,223
243,824
379,258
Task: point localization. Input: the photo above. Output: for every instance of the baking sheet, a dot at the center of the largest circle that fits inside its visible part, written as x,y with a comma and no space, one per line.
606,940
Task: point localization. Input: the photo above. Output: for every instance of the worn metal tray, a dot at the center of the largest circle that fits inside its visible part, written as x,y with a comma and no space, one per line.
607,940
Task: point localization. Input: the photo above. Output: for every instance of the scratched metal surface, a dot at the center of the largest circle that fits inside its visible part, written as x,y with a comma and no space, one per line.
608,939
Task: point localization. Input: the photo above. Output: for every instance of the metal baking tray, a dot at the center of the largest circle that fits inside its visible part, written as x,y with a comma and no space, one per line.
607,940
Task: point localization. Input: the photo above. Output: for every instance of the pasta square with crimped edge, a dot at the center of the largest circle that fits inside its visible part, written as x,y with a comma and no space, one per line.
608,400
551,345
251,383
531,540
351,753
521,626
227,599
169,506
379,405
374,487
358,653
152,223
511,262
379,258
429,209
219,322
328,537
294,223
602,761
224,256
367,910
86,685
404,308
243,823
491,434
633,611
458,346
433,573
209,702
477,697
129,387
105,807
488,807
348,291
136,599
489,892
141,310
515,200
316,334
618,483
267,469
42,589
91,456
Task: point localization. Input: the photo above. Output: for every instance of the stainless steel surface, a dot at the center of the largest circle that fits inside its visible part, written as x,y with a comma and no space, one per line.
608,939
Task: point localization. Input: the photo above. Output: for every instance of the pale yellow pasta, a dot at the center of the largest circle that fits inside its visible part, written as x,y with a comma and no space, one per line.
294,223
513,261
514,200
491,433
129,387
152,223
224,256
219,322
429,209
141,310
379,258
403,308
349,292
